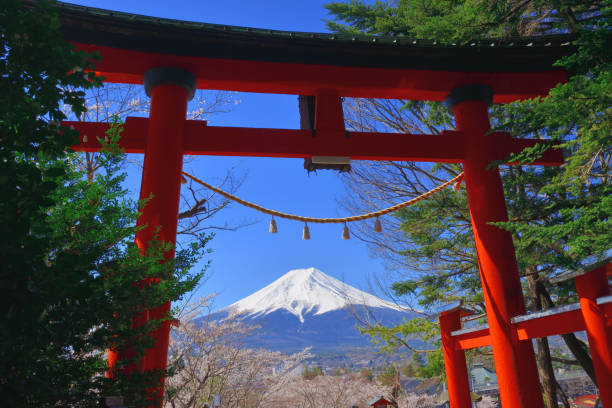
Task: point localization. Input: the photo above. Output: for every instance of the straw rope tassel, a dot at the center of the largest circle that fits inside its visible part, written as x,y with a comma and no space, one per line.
377,225
305,232
272,229
345,232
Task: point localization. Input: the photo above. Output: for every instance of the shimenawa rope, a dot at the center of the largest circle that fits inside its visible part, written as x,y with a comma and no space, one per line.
456,180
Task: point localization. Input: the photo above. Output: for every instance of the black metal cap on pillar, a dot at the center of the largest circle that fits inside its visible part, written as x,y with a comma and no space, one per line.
170,75
469,93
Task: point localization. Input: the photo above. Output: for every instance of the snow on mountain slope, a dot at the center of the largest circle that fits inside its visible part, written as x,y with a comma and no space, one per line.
306,291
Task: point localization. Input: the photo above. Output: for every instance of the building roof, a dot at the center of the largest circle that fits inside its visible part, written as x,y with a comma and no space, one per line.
379,399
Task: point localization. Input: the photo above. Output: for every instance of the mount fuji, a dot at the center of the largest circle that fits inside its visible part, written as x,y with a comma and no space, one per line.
306,307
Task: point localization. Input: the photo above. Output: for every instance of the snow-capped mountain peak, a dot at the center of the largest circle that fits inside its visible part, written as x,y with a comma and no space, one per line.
306,291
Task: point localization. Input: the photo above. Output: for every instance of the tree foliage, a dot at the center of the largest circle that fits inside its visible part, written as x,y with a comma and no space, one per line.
559,217
71,273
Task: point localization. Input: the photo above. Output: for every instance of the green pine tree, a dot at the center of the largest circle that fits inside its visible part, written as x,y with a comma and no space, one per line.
71,274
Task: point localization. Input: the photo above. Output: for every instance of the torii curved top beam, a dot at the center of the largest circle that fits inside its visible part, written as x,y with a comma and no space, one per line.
255,60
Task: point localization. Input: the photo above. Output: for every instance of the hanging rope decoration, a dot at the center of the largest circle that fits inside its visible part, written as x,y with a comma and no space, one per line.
343,220
305,232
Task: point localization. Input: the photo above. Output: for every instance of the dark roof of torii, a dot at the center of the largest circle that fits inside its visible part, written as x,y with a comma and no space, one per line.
191,39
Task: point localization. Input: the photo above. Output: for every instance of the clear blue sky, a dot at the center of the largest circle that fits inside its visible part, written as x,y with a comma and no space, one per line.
250,258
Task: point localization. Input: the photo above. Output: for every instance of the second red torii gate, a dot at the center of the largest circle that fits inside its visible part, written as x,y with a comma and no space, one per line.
135,49
592,314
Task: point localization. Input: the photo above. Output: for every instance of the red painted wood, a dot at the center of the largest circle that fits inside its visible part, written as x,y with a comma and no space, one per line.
235,141
480,338
125,66
590,287
563,323
515,364
133,137
329,116
161,178
455,366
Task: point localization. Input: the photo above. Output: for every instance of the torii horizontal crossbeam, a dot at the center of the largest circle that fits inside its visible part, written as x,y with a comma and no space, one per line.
128,66
200,139
554,324
251,60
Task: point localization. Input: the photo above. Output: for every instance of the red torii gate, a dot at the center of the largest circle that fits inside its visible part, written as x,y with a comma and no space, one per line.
592,314
173,58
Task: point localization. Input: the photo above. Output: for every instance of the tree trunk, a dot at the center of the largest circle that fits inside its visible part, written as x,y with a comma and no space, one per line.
545,368
563,396
578,348
395,391
547,374
581,351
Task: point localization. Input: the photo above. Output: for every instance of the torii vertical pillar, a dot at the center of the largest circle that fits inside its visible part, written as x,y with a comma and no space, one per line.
457,377
170,89
591,286
515,365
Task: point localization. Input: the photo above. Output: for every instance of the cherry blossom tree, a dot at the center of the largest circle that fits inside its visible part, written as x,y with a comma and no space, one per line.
209,357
